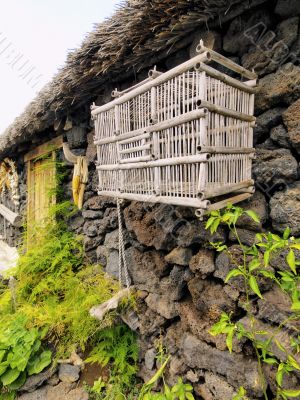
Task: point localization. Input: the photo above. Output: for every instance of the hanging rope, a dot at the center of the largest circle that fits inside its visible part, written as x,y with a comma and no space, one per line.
122,258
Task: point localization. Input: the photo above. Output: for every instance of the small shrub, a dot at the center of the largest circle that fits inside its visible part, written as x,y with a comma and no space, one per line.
116,348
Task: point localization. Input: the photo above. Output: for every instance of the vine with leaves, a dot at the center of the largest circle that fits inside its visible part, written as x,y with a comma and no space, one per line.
252,265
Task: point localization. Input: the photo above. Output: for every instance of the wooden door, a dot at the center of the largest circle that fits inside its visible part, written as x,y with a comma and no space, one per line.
41,184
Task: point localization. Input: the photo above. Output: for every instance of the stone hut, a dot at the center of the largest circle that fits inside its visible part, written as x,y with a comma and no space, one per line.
180,280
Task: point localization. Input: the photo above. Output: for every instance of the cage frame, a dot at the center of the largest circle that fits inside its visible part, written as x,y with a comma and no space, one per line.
131,136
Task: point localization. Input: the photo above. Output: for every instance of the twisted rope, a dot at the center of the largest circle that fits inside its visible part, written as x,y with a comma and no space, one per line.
122,257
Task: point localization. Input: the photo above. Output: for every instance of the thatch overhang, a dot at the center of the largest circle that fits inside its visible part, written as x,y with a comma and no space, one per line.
140,33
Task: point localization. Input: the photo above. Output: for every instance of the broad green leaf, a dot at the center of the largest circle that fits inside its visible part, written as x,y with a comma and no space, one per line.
295,306
233,273
286,276
270,360
215,213
3,367
226,217
10,376
279,374
254,264
293,362
254,286
222,326
276,246
39,363
44,332
240,395
209,222
158,374
276,238
35,348
290,258
229,339
259,237
279,345
252,251
188,387
252,215
214,226
221,248
266,258
286,233
2,354
266,274
295,246
18,382
189,396
19,357
291,393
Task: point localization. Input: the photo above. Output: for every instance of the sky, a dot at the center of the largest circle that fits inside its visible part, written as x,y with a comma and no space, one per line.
35,37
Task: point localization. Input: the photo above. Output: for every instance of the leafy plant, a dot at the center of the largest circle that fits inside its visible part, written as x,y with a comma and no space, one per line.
55,287
116,348
115,389
180,391
251,264
241,394
21,353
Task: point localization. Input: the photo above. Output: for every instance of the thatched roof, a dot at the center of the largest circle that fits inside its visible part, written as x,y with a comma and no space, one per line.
137,31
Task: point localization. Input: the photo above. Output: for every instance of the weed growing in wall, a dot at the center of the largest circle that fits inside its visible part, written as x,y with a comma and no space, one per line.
179,391
251,264
116,348
47,305
123,384
55,289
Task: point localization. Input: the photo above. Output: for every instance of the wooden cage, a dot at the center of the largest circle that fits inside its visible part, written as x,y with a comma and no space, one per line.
183,137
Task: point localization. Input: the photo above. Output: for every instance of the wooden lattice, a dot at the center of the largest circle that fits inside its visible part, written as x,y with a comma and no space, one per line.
183,137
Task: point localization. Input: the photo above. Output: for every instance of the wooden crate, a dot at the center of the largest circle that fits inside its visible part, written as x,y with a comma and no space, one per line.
183,137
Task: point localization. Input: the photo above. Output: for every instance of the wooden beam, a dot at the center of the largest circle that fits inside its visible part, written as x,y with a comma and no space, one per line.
230,200
13,218
196,158
152,198
166,76
45,148
226,62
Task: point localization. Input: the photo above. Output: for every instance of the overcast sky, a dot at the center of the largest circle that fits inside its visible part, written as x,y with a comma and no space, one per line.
35,36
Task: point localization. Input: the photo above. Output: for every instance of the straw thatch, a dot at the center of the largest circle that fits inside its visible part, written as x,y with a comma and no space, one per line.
138,32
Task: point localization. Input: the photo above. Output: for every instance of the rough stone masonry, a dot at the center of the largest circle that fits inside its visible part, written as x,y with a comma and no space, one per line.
179,279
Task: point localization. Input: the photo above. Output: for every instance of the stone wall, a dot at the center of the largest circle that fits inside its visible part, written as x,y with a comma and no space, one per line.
179,279
9,233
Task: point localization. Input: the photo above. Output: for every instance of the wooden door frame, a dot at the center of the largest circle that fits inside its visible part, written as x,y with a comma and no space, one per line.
49,147
44,148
